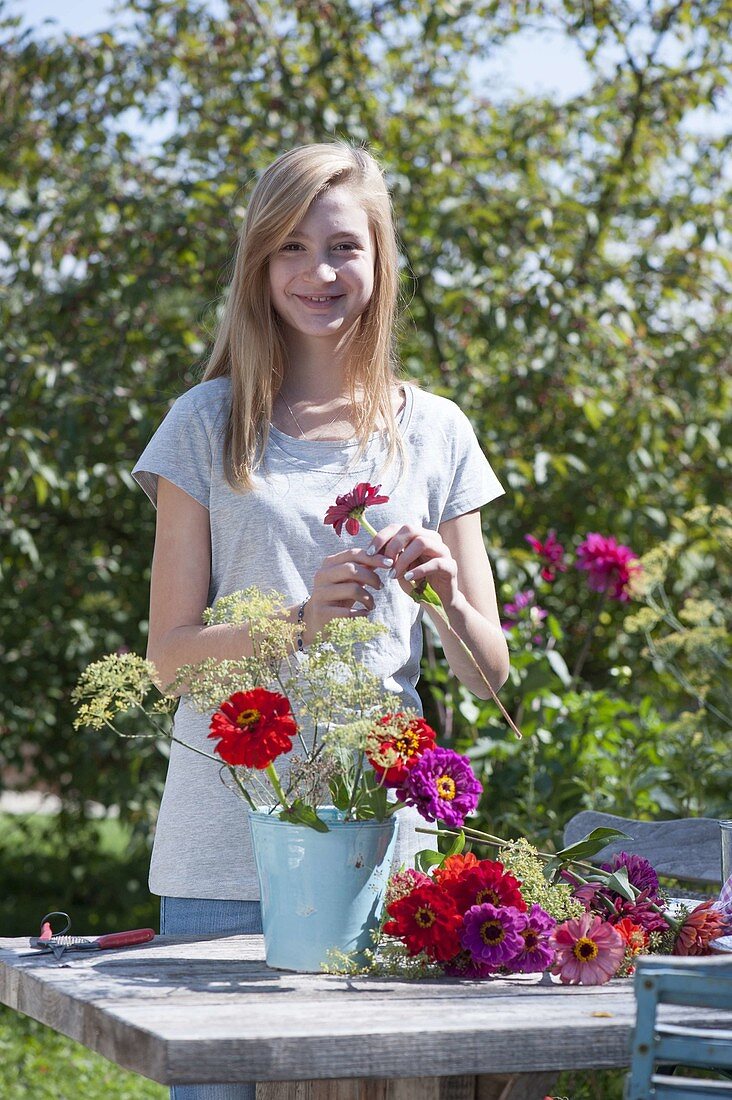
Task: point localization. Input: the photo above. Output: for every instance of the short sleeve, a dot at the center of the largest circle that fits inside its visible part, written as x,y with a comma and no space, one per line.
474,482
180,451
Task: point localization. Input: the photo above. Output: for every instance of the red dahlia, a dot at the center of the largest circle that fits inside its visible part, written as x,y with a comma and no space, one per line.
254,727
486,883
350,507
426,920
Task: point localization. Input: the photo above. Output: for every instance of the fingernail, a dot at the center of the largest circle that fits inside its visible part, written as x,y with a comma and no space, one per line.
408,576
391,574
388,561
371,550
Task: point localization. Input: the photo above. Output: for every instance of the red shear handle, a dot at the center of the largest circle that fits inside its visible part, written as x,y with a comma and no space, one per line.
126,939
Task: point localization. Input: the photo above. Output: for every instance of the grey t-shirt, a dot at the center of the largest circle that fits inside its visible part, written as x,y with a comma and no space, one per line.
274,537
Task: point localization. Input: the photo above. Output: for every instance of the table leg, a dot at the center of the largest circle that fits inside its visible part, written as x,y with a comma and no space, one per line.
502,1086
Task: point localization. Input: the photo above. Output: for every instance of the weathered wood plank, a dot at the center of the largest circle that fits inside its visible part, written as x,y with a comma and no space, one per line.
191,1010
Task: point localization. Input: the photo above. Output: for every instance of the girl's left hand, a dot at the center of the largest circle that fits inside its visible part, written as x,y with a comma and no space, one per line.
418,554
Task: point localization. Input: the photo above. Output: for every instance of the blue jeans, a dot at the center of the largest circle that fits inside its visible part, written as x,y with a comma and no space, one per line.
205,917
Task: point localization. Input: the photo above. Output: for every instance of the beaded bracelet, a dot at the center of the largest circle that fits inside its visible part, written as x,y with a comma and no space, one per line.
301,623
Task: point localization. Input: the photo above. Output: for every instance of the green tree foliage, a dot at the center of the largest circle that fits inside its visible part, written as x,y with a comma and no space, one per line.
565,275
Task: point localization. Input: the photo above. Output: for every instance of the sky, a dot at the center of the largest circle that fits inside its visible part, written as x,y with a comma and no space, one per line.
527,62
535,63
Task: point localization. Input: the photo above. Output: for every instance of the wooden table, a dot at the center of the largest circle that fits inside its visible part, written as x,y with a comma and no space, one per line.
193,1010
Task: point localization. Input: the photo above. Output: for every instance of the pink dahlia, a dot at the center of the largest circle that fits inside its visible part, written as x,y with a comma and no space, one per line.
552,554
703,924
588,951
609,565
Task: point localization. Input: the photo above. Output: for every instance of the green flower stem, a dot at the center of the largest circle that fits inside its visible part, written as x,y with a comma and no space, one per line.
584,653
425,593
277,786
354,789
244,792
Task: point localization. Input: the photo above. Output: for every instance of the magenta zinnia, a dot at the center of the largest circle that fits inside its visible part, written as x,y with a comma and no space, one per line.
609,565
492,933
253,727
442,787
537,953
588,951
349,508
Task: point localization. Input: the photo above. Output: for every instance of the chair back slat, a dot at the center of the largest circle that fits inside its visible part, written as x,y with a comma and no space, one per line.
687,849
696,982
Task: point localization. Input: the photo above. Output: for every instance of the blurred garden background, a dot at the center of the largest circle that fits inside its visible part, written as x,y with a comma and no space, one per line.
566,280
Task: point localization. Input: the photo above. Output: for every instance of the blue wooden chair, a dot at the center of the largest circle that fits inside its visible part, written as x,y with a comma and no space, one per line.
701,982
686,850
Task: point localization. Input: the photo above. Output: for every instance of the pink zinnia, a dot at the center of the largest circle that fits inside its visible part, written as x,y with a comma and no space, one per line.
350,507
552,552
588,951
609,564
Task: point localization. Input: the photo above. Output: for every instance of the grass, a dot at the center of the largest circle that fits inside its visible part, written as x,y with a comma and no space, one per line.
36,1063
96,872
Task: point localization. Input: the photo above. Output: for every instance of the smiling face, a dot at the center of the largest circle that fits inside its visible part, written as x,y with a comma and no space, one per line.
322,277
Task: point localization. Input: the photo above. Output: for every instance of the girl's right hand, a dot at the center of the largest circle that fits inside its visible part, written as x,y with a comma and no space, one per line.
342,580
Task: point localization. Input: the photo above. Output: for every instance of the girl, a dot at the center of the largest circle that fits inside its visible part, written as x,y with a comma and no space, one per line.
300,401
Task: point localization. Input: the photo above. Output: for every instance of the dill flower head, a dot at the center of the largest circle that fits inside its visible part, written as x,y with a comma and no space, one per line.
523,861
110,686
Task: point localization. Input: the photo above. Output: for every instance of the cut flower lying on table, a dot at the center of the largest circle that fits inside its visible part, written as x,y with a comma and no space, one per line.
529,913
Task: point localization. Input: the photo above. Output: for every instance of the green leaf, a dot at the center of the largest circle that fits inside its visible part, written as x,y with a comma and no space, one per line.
301,814
427,858
618,881
591,844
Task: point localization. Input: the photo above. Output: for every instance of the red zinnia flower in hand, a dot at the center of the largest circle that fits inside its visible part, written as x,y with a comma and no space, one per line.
350,507
609,565
701,926
426,920
551,552
254,728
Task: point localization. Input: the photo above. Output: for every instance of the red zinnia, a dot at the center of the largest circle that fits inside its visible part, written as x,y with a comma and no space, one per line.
552,552
428,921
701,926
488,882
254,728
350,507
393,751
454,867
609,565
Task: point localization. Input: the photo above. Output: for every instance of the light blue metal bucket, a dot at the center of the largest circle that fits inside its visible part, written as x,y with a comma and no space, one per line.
320,891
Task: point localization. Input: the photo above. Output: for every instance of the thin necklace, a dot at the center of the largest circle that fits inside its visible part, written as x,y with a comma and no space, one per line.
297,422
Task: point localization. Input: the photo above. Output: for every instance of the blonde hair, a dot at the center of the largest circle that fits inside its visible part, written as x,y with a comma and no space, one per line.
249,347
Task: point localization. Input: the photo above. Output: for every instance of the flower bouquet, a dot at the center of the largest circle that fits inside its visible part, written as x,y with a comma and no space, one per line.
355,759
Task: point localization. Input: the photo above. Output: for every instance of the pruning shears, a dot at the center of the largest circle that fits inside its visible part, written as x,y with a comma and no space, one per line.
58,943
